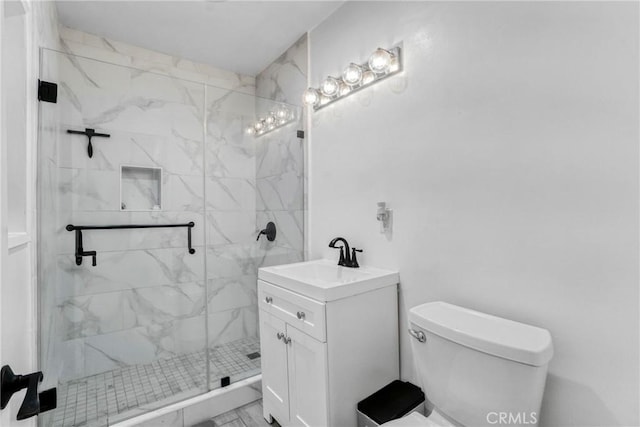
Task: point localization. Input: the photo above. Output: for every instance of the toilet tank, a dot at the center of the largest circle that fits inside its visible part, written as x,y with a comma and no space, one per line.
477,369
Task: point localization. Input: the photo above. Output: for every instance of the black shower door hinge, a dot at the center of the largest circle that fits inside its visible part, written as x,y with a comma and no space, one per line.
300,134
47,91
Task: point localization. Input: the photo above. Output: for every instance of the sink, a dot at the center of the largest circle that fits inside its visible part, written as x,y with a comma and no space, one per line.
324,280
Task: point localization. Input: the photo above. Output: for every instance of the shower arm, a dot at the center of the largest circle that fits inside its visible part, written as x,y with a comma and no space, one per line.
80,252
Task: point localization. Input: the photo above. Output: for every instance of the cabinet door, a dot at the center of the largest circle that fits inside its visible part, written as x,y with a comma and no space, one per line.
307,380
275,383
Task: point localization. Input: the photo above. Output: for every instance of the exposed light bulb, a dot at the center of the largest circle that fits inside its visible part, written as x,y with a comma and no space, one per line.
311,96
380,60
259,125
368,77
352,75
344,89
395,64
271,119
251,130
330,86
282,113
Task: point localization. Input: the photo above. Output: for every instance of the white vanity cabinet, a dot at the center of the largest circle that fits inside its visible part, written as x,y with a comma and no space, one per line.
321,356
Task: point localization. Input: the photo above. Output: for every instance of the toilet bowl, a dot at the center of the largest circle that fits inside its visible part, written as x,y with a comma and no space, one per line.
473,366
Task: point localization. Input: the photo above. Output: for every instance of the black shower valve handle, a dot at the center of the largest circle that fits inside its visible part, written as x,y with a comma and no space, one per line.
269,231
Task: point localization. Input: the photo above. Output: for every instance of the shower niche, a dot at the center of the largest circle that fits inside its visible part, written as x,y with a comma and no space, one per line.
140,188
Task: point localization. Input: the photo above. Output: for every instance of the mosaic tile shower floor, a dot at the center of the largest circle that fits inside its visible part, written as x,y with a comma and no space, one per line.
97,399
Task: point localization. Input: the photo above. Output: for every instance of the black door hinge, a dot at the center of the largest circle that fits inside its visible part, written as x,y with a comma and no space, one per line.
47,91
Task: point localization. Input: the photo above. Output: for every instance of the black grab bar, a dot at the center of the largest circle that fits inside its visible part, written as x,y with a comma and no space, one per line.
80,252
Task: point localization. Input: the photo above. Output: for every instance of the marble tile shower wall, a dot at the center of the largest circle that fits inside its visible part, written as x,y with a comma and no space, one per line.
116,52
145,299
230,182
280,168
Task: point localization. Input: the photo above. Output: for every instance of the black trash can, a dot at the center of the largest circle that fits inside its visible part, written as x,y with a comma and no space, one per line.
393,401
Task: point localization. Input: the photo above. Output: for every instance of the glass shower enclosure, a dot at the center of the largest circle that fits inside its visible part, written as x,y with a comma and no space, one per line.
148,255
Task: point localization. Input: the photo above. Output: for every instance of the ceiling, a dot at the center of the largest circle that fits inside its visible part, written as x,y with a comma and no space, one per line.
241,36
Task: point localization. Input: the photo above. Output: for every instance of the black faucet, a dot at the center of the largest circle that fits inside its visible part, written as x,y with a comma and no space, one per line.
34,403
348,259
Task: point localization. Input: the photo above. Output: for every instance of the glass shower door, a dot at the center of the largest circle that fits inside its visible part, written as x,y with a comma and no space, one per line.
126,335
251,178
152,323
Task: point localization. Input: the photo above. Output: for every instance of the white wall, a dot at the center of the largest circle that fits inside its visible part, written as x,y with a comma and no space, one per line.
508,150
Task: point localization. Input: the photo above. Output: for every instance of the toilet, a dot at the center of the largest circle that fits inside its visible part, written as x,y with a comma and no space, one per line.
476,369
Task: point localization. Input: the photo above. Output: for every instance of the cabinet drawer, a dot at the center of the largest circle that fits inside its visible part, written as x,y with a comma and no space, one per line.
304,313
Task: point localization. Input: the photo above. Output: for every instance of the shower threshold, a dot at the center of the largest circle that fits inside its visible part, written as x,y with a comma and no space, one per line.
108,397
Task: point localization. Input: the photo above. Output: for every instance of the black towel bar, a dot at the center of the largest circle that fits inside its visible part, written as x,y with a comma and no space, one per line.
80,252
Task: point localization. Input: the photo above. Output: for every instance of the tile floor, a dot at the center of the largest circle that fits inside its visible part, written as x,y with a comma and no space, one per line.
94,400
249,415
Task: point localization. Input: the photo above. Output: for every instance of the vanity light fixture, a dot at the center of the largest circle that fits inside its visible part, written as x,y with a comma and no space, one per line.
273,120
381,64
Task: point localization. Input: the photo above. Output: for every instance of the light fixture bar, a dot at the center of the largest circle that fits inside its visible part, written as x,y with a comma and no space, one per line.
382,63
273,120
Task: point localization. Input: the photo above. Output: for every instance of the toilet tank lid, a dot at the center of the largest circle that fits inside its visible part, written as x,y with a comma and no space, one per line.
486,333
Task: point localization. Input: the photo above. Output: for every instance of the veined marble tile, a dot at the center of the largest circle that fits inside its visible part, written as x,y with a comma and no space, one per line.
146,84
79,47
229,160
69,359
88,190
281,192
174,154
104,49
90,84
229,128
231,260
92,315
285,79
183,193
126,99
279,152
150,116
230,227
230,194
120,349
231,325
128,270
183,156
143,344
159,304
229,103
232,292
